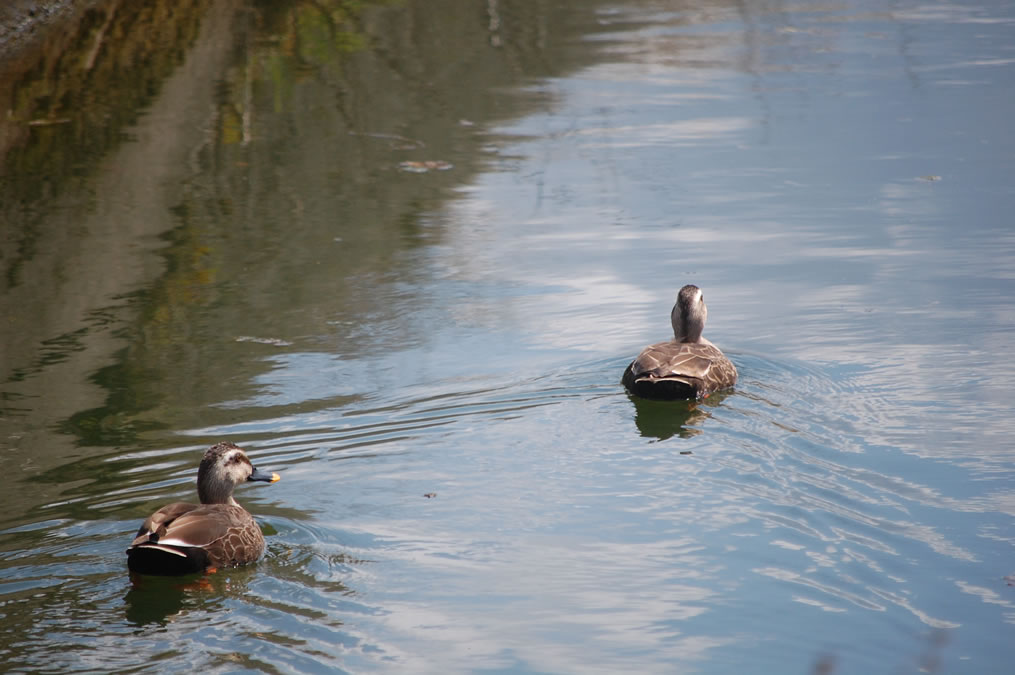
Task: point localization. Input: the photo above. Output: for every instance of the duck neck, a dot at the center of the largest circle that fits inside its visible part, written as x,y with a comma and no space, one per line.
686,331
686,328
209,494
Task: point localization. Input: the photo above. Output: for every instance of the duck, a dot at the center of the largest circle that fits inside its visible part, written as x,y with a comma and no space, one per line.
182,538
686,367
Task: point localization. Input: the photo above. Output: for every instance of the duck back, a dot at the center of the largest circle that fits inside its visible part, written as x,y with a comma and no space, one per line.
679,370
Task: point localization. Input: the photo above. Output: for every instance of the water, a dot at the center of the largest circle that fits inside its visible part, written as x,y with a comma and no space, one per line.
223,243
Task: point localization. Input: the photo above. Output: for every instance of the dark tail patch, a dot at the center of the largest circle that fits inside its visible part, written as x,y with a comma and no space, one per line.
147,560
661,389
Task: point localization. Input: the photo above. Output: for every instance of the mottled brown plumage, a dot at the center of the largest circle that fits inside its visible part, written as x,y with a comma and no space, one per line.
688,366
185,538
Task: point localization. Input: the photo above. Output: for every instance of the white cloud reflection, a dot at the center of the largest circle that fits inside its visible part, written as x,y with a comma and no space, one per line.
545,604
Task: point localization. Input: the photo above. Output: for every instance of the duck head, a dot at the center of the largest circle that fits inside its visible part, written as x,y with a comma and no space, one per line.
223,467
689,314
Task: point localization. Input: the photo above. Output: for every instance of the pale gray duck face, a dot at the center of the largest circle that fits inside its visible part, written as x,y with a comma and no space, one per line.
689,314
223,467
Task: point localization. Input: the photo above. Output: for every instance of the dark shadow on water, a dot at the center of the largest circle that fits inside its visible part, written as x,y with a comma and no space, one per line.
153,600
665,419
928,661
157,600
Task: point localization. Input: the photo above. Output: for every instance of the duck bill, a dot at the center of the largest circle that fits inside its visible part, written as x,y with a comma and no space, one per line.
265,476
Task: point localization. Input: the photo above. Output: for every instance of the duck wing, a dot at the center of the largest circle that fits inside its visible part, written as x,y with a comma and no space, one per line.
157,524
191,524
672,370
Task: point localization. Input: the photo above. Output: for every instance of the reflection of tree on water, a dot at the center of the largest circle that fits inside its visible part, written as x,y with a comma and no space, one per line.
664,419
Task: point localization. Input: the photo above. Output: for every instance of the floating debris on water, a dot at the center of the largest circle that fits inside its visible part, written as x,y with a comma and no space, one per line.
275,342
423,167
48,121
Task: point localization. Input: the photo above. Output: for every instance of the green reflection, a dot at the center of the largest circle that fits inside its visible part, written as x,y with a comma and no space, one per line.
220,185
71,98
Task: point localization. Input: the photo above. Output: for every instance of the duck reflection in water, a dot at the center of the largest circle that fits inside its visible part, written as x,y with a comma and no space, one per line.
665,419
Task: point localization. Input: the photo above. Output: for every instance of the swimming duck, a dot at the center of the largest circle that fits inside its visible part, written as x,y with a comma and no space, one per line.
183,538
688,366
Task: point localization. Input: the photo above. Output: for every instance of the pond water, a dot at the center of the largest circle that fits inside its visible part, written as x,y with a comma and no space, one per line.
402,254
